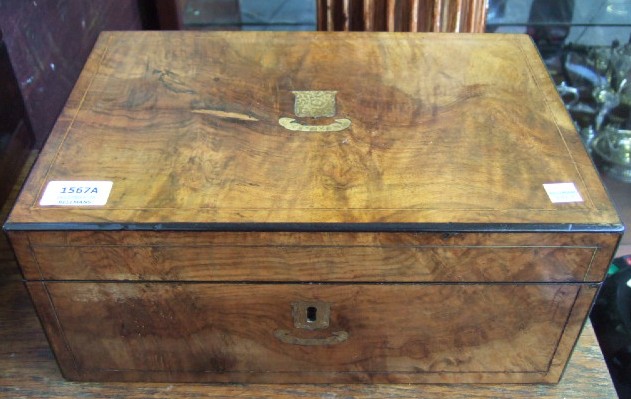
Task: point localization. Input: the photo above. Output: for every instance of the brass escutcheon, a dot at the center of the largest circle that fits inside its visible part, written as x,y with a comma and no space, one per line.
311,316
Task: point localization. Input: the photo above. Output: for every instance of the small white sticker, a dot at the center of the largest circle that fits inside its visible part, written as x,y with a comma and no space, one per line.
76,193
562,192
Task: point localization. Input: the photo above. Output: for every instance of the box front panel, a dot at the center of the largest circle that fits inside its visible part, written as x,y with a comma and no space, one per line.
319,257
423,332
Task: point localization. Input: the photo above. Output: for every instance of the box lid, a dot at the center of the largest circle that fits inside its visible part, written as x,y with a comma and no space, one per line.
310,131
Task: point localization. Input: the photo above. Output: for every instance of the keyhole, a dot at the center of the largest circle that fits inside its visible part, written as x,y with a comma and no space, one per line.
312,314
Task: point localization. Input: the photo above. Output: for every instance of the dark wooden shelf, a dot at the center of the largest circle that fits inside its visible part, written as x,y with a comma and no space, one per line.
16,137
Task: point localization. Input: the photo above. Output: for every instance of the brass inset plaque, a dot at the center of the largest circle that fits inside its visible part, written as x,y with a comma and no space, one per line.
314,104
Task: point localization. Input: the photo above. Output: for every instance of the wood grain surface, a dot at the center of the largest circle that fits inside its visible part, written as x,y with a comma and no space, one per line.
28,370
445,128
9,269
350,257
228,332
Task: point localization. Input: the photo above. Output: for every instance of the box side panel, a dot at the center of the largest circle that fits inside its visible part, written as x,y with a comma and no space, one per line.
54,332
607,246
573,327
20,242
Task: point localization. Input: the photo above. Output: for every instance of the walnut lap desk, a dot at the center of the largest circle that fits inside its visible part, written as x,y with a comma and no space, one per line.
313,208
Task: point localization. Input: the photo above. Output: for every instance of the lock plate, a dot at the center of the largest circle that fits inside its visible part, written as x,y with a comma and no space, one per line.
311,315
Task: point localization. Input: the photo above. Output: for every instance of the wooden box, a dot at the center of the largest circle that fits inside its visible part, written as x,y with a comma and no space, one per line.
313,207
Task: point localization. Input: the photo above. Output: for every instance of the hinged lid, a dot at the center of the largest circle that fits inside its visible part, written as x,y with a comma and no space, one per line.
309,131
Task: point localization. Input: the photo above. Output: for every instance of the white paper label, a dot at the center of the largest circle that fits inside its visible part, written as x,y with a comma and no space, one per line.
76,193
562,192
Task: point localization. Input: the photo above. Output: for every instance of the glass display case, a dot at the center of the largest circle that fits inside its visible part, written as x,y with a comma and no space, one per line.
585,22
586,46
248,14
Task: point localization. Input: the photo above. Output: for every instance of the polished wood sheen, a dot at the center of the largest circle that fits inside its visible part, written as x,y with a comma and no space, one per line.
315,208
341,257
216,331
445,128
28,369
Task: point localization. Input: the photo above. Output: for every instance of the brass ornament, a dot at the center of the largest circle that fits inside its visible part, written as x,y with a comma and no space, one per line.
292,124
314,104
